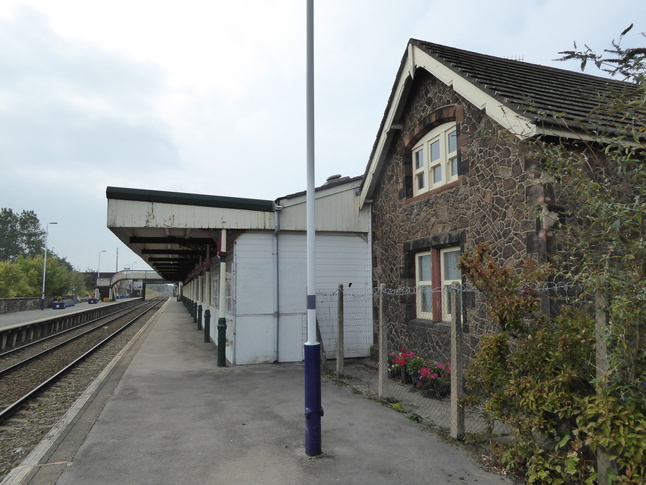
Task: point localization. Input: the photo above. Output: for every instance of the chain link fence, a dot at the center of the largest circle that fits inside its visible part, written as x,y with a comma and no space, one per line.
412,369
418,365
353,309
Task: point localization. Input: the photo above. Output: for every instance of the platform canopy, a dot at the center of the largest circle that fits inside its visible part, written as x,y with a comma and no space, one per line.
176,232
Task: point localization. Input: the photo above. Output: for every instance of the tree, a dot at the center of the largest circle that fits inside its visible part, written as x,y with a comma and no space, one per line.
12,281
615,61
603,187
20,234
22,242
538,372
534,374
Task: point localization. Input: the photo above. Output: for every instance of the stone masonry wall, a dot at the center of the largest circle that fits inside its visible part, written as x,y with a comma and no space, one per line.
11,305
494,201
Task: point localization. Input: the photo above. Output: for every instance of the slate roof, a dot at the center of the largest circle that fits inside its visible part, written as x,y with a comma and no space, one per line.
527,99
545,95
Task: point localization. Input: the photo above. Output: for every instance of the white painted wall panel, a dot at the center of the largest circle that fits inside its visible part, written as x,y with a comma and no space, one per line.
293,334
345,259
339,259
335,212
292,252
253,337
253,256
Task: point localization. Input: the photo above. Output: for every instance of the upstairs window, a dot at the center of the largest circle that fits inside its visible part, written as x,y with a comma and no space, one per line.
435,159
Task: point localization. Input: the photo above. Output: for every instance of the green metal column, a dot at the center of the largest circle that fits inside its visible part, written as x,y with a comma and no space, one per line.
222,338
207,325
199,317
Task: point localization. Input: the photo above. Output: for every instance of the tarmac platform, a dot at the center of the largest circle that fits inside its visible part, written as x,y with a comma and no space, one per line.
164,413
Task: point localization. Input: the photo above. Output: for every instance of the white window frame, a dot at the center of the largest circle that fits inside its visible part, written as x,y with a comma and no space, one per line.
446,282
444,164
435,292
424,287
420,172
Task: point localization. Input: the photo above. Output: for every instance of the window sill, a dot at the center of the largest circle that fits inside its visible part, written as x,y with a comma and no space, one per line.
428,323
437,190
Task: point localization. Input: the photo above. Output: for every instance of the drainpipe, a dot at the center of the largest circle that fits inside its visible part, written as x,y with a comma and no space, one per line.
277,209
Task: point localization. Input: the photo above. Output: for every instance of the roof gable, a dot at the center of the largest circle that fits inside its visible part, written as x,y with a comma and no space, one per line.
526,99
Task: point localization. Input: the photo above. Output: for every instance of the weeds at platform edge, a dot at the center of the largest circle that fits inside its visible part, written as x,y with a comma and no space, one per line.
413,416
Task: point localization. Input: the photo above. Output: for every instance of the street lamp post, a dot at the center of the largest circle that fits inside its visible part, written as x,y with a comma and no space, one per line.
98,275
132,279
98,268
42,296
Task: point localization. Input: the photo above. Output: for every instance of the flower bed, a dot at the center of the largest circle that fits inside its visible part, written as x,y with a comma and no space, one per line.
432,379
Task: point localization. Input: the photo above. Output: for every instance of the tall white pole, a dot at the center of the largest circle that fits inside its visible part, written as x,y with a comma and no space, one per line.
313,409
310,197
42,296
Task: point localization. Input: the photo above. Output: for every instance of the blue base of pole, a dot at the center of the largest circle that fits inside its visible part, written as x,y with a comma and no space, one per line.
313,409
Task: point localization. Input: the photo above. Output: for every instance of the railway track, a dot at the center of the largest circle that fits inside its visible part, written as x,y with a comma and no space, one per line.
15,355
30,369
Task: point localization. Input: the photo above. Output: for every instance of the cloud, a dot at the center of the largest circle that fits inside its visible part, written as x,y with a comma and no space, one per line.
73,115
68,104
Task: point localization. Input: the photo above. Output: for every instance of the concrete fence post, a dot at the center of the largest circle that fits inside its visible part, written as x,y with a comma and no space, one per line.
601,363
600,335
340,343
383,344
457,362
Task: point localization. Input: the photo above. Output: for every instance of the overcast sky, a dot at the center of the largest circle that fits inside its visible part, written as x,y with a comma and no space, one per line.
208,96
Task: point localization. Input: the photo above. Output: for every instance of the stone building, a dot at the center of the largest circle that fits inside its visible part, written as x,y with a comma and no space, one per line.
450,168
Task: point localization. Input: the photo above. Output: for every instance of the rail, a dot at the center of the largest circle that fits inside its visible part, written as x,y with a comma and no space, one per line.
19,334
9,410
